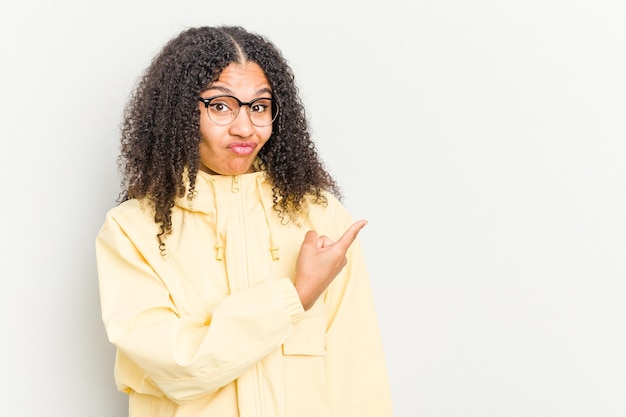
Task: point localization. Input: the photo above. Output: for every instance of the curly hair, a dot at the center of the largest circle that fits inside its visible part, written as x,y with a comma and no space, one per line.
161,125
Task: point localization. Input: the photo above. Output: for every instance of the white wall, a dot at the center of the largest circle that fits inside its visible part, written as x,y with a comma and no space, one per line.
484,141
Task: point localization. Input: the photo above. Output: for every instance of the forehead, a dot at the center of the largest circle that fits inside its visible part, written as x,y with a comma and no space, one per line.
242,78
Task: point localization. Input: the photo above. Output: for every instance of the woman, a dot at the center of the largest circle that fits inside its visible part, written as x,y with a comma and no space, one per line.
231,280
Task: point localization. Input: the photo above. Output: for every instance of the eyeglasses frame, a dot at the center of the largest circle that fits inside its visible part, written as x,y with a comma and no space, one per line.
207,101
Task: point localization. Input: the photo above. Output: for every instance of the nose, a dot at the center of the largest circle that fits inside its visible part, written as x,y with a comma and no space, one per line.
242,125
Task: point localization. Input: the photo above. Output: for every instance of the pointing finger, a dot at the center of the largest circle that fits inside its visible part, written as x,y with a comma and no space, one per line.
350,235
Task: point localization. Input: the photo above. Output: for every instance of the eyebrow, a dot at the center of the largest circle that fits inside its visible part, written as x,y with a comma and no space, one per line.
227,90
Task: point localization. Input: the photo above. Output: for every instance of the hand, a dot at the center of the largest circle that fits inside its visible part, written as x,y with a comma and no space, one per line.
320,260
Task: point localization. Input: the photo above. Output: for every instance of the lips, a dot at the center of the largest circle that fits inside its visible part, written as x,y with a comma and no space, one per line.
242,148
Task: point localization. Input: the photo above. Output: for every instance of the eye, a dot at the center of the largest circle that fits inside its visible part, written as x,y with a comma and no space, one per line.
220,106
261,105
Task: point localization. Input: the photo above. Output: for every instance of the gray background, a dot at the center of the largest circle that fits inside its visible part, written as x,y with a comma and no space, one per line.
483,140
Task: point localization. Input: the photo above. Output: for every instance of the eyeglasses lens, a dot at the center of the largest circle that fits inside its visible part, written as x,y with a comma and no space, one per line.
223,110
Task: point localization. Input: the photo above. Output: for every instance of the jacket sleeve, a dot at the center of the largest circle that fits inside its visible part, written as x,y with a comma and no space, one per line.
162,352
355,360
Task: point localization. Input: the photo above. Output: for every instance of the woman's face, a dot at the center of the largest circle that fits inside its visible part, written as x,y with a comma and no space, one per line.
232,148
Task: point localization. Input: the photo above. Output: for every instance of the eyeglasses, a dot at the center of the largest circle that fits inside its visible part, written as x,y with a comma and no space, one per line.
223,109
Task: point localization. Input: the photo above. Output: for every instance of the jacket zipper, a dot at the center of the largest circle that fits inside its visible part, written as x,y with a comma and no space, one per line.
236,189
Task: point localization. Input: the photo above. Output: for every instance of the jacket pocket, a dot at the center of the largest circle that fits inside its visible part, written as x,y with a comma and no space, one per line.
308,337
306,383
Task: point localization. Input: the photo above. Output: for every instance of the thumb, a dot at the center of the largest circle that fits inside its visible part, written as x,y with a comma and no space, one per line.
310,239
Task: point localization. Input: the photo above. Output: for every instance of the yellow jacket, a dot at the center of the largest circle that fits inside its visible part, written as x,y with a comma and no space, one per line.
216,328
